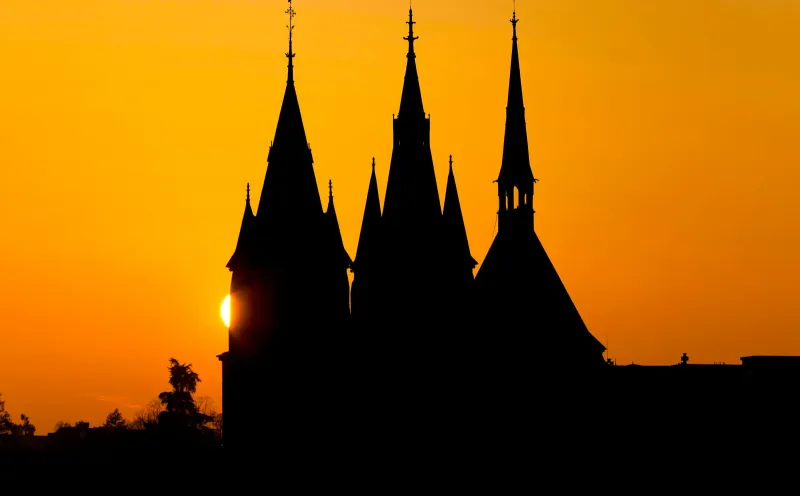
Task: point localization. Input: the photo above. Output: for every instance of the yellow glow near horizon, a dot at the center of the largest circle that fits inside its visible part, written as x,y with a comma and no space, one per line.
225,311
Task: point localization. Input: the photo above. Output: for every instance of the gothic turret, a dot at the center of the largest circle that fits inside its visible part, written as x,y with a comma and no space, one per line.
370,224
364,301
337,249
245,245
289,291
454,227
290,203
339,264
526,308
405,277
515,181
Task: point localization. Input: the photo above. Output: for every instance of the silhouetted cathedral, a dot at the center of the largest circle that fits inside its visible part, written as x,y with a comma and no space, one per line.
416,313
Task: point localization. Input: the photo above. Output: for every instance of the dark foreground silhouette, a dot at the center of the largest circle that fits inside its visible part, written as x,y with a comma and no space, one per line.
423,368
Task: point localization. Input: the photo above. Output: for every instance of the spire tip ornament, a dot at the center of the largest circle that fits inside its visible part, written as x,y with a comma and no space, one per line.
290,55
514,21
410,38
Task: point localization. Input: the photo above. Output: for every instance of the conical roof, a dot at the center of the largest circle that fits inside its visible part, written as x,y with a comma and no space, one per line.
411,101
334,234
516,165
453,219
519,278
290,186
245,245
370,223
411,206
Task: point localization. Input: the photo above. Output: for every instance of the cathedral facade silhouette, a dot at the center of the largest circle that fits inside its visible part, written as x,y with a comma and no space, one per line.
417,324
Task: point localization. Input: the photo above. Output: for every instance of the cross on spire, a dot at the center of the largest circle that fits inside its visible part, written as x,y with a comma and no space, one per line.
410,38
451,161
514,21
290,55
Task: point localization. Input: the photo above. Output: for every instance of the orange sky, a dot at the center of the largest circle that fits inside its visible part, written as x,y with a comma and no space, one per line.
666,136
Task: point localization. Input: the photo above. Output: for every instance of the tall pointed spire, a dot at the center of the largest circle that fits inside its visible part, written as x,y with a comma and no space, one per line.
372,217
517,284
290,187
516,165
454,220
411,101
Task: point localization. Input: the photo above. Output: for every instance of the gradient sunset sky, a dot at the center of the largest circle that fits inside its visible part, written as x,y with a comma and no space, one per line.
666,135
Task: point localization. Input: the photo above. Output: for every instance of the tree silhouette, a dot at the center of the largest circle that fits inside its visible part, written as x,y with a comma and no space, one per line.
63,425
205,405
115,420
180,408
7,426
25,428
147,417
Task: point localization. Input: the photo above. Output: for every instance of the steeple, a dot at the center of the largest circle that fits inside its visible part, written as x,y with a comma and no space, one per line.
522,296
454,220
372,217
290,187
244,245
411,192
516,166
411,101
515,181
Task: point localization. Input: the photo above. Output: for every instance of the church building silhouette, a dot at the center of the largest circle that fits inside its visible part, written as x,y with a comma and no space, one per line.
308,355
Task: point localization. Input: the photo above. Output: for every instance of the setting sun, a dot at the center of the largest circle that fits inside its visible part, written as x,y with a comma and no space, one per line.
225,311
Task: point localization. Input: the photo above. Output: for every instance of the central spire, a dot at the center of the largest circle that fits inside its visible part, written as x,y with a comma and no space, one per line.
290,187
290,53
411,101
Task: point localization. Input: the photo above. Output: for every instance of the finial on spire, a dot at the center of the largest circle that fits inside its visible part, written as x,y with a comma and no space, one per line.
451,162
330,189
514,21
410,38
373,163
248,192
290,54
